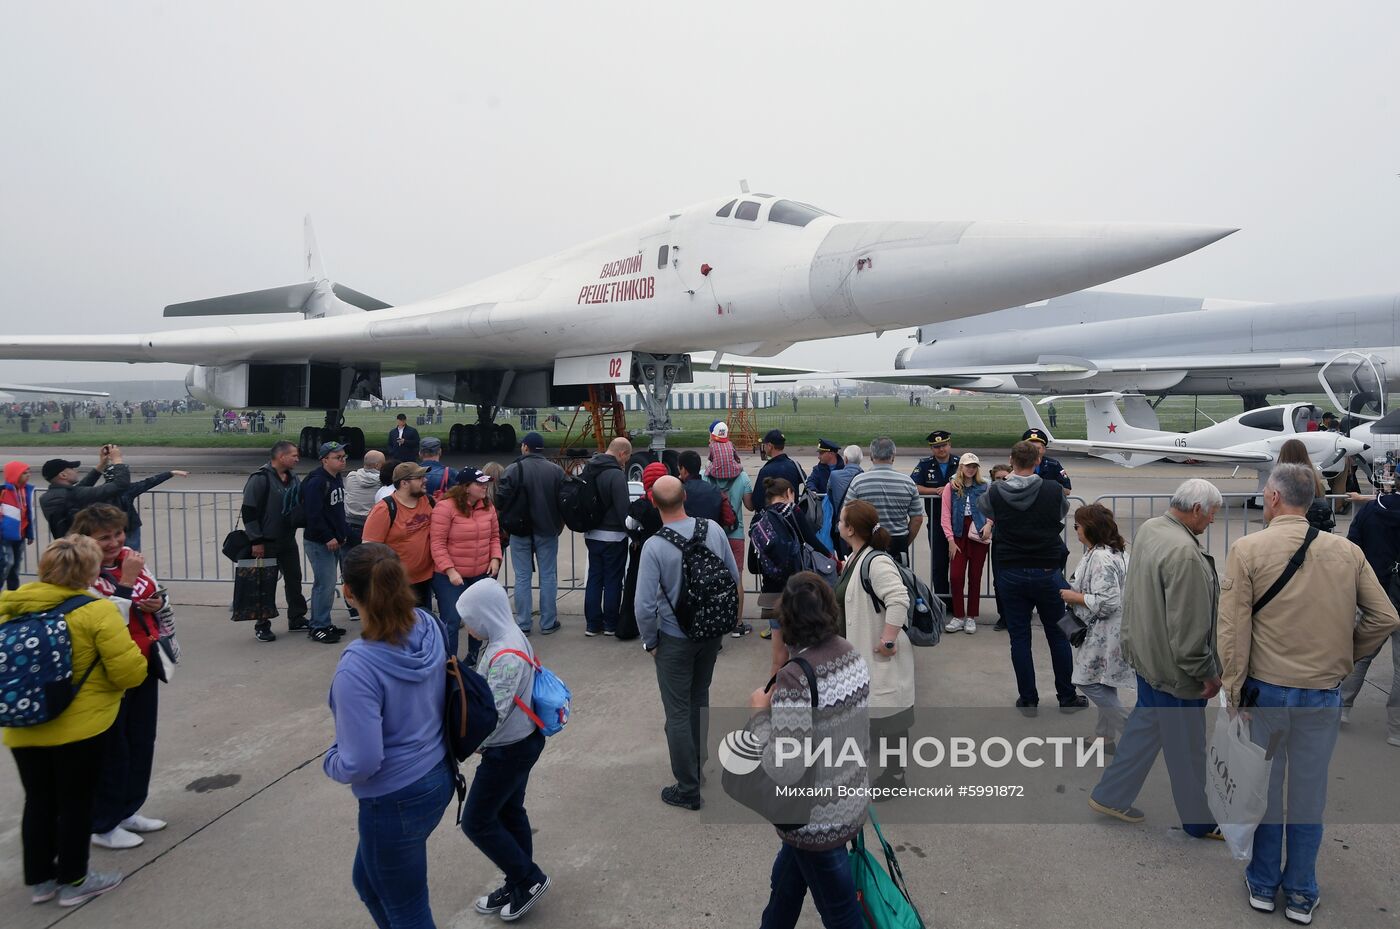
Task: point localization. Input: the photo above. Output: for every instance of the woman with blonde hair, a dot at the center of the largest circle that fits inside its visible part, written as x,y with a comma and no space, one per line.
60,761
387,698
969,535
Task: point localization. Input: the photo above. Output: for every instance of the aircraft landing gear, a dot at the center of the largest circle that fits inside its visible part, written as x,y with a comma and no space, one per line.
484,435
653,376
335,430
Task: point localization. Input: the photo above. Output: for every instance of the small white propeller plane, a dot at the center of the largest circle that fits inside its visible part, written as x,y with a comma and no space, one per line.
1251,439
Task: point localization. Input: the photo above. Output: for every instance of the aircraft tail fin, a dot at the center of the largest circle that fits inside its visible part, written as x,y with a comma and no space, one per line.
1033,418
1105,422
313,298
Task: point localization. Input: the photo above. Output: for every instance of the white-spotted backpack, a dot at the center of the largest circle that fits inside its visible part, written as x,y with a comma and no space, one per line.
36,665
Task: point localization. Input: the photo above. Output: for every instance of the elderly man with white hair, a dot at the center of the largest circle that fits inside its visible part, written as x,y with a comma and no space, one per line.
1288,637
836,487
1170,604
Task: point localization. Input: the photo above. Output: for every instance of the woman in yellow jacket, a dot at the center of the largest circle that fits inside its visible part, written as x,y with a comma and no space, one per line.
59,761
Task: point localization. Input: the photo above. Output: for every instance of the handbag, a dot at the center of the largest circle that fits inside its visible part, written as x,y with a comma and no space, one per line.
1074,628
756,789
820,565
254,591
882,893
237,545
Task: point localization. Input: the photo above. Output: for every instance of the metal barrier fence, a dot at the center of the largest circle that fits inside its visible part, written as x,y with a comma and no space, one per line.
182,533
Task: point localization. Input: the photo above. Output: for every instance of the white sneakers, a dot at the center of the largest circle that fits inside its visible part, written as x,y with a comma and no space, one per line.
126,835
139,823
954,625
969,626
117,839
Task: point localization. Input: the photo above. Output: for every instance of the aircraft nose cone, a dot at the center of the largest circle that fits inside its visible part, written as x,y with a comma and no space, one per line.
907,273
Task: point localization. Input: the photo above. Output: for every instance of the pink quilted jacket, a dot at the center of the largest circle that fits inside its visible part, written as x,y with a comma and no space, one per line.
466,542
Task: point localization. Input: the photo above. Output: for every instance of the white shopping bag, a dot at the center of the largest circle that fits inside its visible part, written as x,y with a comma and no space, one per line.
1237,783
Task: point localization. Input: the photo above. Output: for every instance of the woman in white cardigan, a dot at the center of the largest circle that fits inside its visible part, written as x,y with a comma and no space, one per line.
878,636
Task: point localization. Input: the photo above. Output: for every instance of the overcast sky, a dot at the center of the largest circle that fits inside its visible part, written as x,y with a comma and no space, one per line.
156,153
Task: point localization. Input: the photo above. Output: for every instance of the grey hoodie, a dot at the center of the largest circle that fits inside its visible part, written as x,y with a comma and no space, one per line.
1019,493
360,488
485,609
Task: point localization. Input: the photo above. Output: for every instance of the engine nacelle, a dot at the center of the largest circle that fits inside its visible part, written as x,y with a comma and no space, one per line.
304,386
224,387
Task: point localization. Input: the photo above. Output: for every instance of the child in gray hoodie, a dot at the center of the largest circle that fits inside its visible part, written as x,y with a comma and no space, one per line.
494,817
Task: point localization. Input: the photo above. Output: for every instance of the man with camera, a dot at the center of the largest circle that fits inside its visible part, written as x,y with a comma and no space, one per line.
67,493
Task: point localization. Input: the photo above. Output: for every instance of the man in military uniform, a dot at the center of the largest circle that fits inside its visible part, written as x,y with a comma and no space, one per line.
828,460
1049,468
930,475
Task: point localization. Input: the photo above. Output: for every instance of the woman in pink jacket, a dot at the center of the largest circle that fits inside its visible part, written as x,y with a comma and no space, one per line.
466,544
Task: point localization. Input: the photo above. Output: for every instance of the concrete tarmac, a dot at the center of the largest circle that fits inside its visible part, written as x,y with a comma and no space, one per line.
259,837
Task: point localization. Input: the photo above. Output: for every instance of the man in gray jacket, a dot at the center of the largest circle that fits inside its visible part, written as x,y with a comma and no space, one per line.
271,504
534,524
607,543
1170,603
683,667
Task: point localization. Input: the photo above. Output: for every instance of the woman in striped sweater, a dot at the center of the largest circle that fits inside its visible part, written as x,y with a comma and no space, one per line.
814,856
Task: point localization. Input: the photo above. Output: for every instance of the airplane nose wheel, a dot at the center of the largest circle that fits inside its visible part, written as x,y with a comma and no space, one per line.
309,441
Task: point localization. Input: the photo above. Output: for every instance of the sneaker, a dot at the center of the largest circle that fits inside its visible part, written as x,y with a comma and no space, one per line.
741,630
1000,626
1074,704
609,632
264,635
95,883
524,630
969,625
1214,834
590,632
325,636
298,624
550,630
1027,708
1300,909
954,624
338,630
1129,815
765,634
672,795
139,823
117,839
43,893
522,900
1259,900
493,902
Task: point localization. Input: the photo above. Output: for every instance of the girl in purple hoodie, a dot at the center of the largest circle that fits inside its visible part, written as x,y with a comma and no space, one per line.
387,697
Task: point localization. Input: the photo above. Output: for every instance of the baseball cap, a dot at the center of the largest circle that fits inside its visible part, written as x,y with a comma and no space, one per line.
775,437
327,448
533,440
407,471
938,437
967,458
472,476
1035,435
720,430
56,466
431,444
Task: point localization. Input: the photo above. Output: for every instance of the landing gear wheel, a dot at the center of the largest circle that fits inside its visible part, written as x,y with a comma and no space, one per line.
454,437
505,437
309,441
471,441
354,440
637,464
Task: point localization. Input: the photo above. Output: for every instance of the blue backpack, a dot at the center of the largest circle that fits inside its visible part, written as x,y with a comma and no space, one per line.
36,665
469,715
550,698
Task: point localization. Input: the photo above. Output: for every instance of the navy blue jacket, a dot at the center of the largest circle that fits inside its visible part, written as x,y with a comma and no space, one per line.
323,501
703,500
1376,531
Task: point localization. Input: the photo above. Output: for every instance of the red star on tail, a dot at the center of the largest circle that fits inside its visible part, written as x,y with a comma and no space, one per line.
1112,427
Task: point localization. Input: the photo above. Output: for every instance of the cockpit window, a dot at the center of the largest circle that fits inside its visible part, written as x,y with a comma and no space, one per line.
794,213
747,210
1270,419
724,210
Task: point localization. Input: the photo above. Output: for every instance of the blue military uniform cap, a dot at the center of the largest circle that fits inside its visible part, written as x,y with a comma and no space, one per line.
826,445
1035,435
939,436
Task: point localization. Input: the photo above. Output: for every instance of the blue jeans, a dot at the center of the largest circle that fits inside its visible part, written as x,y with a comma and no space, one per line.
446,594
545,548
1022,590
494,817
325,575
827,875
1307,733
602,597
133,539
11,556
391,864
1175,727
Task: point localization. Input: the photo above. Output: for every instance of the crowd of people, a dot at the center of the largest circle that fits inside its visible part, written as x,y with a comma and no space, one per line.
415,549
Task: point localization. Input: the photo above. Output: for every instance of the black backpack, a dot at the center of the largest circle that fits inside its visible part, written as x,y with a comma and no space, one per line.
580,503
924,622
708,603
513,508
392,506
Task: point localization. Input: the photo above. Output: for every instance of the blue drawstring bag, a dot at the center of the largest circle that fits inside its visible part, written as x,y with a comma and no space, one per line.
549,698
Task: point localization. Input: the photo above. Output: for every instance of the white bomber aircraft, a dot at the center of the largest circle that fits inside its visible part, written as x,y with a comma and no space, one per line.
1251,439
8,391
746,275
